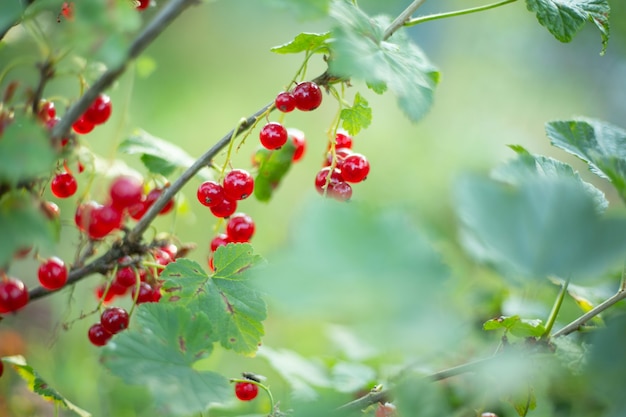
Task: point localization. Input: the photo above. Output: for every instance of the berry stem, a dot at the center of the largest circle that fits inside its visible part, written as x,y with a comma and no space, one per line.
230,148
555,309
437,16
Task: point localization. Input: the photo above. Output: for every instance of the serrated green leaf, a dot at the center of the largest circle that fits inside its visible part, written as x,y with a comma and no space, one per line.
523,401
357,117
273,166
564,18
160,156
600,144
517,326
305,42
159,351
360,51
40,387
540,228
528,165
378,88
303,9
235,309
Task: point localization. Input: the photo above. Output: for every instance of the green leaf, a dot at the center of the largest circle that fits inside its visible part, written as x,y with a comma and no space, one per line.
378,88
540,228
357,117
235,309
305,42
523,401
431,401
600,144
159,351
303,9
273,166
359,51
517,326
564,18
25,152
528,165
40,387
10,12
159,156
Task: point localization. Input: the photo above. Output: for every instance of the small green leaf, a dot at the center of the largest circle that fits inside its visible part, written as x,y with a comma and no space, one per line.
273,166
159,351
159,156
357,117
523,401
378,88
40,387
516,326
564,18
305,42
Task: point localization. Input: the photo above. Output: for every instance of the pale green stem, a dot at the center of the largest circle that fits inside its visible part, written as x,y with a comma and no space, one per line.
402,18
445,15
555,309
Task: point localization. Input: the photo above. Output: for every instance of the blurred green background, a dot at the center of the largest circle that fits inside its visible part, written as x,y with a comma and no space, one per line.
503,77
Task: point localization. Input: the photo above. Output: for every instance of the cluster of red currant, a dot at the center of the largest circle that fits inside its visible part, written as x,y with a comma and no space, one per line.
96,114
112,320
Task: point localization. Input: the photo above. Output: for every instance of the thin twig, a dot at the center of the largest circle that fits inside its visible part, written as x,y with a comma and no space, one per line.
437,16
402,18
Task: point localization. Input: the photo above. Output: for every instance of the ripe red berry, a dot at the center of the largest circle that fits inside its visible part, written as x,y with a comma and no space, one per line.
210,193
220,240
52,274
341,154
308,96
171,250
246,391
114,319
238,184
273,135
99,111
342,140
153,195
142,4
82,126
285,102
102,221
240,228
63,185
224,208
13,295
98,336
147,294
82,217
46,111
125,192
341,191
322,180
126,276
355,168
136,211
299,141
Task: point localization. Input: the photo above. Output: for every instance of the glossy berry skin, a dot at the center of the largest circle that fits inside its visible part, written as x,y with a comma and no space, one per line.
52,274
102,221
63,185
342,140
285,102
210,193
82,126
82,217
13,295
308,96
225,208
114,319
298,139
98,336
341,191
142,4
341,154
273,135
246,391
153,195
147,294
126,276
238,184
322,177
355,168
125,192
220,240
240,228
99,111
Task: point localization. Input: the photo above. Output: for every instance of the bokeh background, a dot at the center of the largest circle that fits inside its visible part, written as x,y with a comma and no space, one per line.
503,77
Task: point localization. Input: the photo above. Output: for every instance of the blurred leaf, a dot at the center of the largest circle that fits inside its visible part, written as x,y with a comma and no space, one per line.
565,18
378,88
516,326
25,151
600,144
357,117
10,13
159,351
528,165
305,42
303,9
159,156
145,66
417,396
524,401
273,166
351,377
359,51
235,309
40,387
529,230
571,354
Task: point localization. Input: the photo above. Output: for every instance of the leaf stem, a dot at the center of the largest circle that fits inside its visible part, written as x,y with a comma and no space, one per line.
437,16
402,18
555,309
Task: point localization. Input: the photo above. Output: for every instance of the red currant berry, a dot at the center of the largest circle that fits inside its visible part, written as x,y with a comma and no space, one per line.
171,250
210,193
82,126
308,96
299,141
341,191
162,257
355,168
136,211
126,277
63,185
102,221
1,368
225,208
51,210
342,140
153,195
100,293
220,240
125,192
246,391
273,135
99,111
285,102
13,295
321,179
114,319
52,274
50,125
82,218
98,336
341,154
46,111
147,294
240,228
142,4
238,184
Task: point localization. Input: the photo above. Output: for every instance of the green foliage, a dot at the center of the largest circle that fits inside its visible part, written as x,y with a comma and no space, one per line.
305,42
357,117
273,166
304,9
517,326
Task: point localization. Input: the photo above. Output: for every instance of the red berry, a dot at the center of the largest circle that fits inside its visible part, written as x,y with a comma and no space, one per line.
342,140
82,126
82,218
46,111
51,210
52,274
246,391
355,168
210,193
162,257
225,208
341,154
285,102
153,195
1,367
308,96
114,319
321,179
50,125
220,240
341,191
136,211
273,135
147,294
13,295
99,111
125,192
240,228
299,141
63,185
110,295
98,336
102,221
142,4
171,250
238,184
126,276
